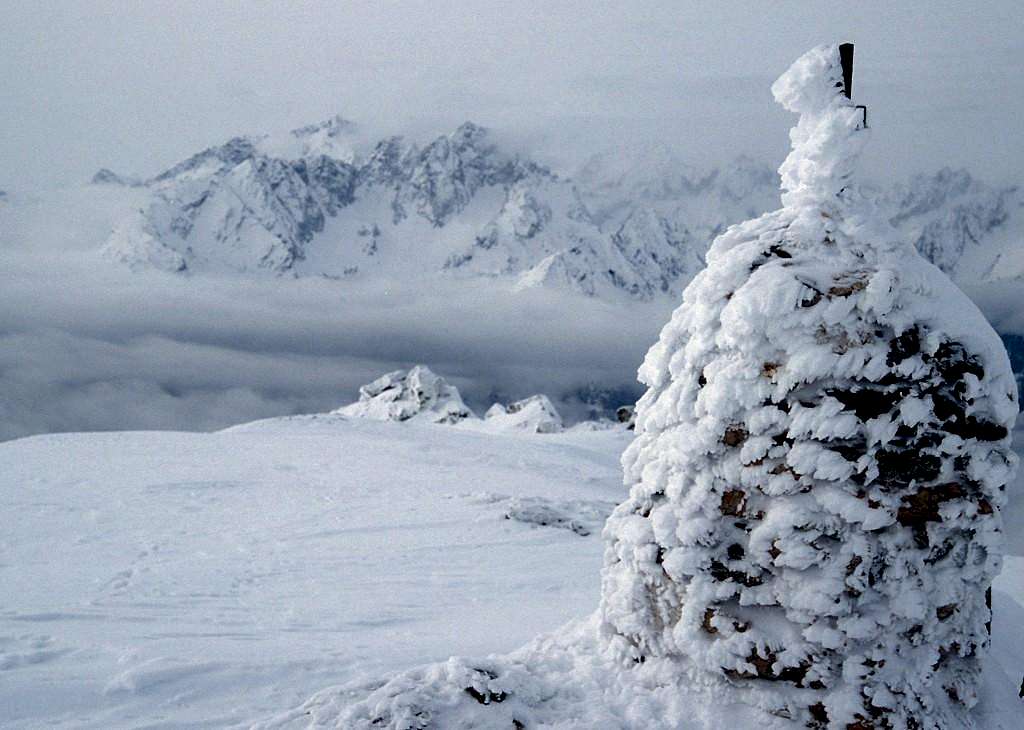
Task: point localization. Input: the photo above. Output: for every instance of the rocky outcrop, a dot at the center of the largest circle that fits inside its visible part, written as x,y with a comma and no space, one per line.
626,415
104,176
415,395
536,414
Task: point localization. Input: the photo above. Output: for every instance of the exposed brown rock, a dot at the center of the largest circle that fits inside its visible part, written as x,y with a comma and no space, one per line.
735,435
734,503
709,614
845,289
923,505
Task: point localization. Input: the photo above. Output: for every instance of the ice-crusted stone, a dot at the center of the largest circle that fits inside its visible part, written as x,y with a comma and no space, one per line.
414,395
820,459
213,159
536,414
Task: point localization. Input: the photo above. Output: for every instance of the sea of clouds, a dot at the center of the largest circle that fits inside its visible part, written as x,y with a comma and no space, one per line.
88,345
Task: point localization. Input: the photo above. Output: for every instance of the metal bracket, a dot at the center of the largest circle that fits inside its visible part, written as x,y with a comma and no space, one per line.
846,61
865,109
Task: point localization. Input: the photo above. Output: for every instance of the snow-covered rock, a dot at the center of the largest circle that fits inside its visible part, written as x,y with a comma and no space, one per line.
246,569
582,516
415,395
108,177
536,414
626,415
820,458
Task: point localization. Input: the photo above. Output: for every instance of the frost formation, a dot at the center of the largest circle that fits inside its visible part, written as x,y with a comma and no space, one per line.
820,458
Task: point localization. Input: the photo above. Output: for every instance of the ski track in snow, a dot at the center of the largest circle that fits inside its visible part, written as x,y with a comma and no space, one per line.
164,580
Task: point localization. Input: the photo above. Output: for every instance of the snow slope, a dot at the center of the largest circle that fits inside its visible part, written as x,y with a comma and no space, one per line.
157,579
203,580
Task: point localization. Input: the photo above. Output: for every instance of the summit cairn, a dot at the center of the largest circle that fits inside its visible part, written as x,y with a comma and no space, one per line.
820,459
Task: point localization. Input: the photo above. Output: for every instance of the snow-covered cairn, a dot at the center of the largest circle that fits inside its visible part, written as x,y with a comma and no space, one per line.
820,458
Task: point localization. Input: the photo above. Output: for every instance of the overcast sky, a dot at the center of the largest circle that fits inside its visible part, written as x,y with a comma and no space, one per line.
136,86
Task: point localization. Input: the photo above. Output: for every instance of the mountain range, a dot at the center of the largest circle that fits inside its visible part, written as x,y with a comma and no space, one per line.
323,200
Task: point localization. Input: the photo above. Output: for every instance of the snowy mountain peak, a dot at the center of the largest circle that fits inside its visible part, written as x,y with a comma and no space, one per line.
335,128
337,138
450,170
950,216
212,159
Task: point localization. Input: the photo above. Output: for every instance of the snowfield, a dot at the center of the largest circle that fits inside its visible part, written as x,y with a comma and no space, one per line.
158,579
204,580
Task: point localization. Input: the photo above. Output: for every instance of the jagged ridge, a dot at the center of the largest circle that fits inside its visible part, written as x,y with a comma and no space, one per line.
319,204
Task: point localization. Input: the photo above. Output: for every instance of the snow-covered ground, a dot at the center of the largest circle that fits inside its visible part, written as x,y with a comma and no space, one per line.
156,579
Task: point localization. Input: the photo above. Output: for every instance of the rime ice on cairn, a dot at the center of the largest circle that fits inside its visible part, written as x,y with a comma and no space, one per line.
821,458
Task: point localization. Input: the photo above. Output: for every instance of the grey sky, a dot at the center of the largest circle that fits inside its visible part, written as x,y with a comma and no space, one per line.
138,85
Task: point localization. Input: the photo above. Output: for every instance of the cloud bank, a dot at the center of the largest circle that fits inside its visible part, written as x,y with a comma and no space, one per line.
84,347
